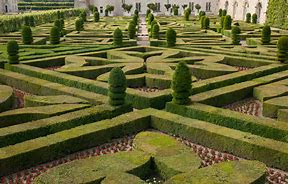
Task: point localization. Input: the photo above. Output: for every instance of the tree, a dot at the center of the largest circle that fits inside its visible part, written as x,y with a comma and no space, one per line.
175,9
136,12
236,35
110,8
167,6
227,22
132,30
202,13
206,23
79,25
184,6
31,21
220,12
224,12
26,21
135,19
266,35
83,15
202,21
186,15
198,7
181,84
117,87
55,35
282,46
118,37
171,37
96,16
150,18
248,18
155,31
148,11
222,21
27,35
13,51
127,7
254,18
152,6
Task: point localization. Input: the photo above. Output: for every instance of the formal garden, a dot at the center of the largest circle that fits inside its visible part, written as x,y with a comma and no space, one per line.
84,100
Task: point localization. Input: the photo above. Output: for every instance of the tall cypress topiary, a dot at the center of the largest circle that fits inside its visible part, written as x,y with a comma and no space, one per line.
248,18
83,15
13,51
171,37
186,15
150,18
155,31
266,35
224,12
282,46
220,12
27,37
135,19
118,37
202,21
206,23
181,84
254,18
236,35
31,21
148,11
227,22
132,30
55,35
58,24
222,21
117,87
26,21
96,16
79,25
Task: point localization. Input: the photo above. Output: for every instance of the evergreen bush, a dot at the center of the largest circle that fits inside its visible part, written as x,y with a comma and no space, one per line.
236,35
136,12
181,84
150,18
96,16
117,87
118,37
254,18
79,24
220,12
282,46
224,12
222,21
266,35
227,22
248,18
175,10
55,35
171,37
202,13
155,31
132,30
148,11
13,51
202,21
31,21
206,22
135,19
27,36
26,21
186,15
83,15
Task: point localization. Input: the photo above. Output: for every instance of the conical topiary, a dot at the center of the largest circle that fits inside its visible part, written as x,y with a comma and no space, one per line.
171,37
79,24
282,46
254,18
55,35
181,84
266,35
155,31
27,37
13,51
96,16
117,87
118,37
132,30
248,18
236,35
227,22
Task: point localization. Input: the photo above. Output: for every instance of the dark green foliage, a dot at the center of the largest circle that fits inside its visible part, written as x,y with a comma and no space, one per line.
220,12
136,12
155,31
83,15
79,24
117,87
202,13
27,37
58,15
222,21
236,35
118,37
224,12
132,30
148,12
227,22
13,51
202,21
135,19
248,18
26,21
175,10
55,35
181,84
106,13
95,9
206,22
31,21
150,18
96,16
254,18
282,46
171,37
58,24
153,23
189,10
266,35
186,15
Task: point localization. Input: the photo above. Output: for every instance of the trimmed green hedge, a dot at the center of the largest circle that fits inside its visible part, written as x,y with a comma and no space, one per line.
6,98
259,126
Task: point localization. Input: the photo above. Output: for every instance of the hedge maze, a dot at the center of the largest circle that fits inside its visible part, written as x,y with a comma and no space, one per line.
98,108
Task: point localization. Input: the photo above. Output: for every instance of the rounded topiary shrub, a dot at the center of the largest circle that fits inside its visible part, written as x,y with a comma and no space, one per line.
181,84
227,22
118,37
117,87
236,35
186,15
248,18
171,37
79,25
96,16
31,21
132,30
55,35
155,31
13,51
206,23
282,46
254,18
266,35
220,12
27,36
224,12
83,15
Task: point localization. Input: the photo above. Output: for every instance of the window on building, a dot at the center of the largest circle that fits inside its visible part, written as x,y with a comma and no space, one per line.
191,5
101,9
157,7
208,6
138,7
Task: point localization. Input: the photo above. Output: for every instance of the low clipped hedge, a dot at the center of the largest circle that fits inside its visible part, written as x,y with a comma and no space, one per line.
6,98
43,127
259,126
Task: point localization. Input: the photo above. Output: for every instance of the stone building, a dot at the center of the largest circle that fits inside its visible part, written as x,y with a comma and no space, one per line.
8,6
